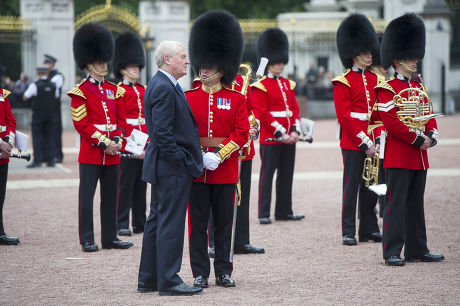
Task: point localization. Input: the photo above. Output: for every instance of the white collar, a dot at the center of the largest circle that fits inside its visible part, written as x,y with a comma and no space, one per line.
170,76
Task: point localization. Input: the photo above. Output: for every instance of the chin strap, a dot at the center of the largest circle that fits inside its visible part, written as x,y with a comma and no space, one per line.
411,70
124,71
91,67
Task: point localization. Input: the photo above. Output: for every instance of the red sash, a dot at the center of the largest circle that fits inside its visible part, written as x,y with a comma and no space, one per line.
95,91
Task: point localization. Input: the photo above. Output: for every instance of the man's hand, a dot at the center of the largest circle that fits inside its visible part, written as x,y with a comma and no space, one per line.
294,137
285,138
112,148
253,132
141,156
377,148
426,143
5,148
371,151
211,161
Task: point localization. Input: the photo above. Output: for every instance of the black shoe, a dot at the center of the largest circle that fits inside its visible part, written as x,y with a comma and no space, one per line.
117,244
181,289
6,240
89,247
50,164
290,218
124,232
376,237
225,280
248,249
349,240
394,260
34,165
138,229
212,252
428,257
58,160
201,281
265,221
146,287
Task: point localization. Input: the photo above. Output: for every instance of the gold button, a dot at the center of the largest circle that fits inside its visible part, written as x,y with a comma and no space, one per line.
210,131
210,120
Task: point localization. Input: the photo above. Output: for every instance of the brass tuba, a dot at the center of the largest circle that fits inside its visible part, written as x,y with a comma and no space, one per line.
371,174
415,110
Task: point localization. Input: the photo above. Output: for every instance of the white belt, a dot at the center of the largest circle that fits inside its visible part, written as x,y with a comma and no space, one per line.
360,116
2,128
106,127
135,121
283,114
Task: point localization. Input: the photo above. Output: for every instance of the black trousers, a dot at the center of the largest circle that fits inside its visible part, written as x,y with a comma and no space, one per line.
282,159
3,179
108,176
203,197
242,213
163,241
353,162
404,215
132,194
381,180
58,135
44,127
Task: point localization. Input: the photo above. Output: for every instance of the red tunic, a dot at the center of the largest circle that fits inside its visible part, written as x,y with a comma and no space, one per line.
7,120
133,99
402,149
97,121
353,99
221,114
276,107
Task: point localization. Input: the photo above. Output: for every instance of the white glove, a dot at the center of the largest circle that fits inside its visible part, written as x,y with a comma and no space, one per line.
211,161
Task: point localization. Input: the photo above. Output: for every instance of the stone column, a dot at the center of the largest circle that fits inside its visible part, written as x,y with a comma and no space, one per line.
53,21
167,20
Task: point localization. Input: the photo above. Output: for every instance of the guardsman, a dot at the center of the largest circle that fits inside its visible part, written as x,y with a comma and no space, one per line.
242,243
216,48
7,135
128,62
353,99
57,78
99,117
277,109
406,158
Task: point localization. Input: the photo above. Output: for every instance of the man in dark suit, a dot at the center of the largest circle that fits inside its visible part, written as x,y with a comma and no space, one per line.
172,159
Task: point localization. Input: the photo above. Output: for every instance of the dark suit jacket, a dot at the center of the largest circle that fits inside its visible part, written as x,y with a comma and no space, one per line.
172,130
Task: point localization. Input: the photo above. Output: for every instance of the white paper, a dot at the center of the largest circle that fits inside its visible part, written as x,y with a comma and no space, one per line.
263,64
21,141
135,143
307,126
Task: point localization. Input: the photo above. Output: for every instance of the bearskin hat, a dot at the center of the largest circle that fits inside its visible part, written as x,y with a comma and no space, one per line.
273,44
91,43
128,51
376,57
404,38
355,35
216,40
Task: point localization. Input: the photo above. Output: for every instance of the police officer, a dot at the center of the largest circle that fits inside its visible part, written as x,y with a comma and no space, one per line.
57,78
128,61
99,117
216,48
278,112
353,99
44,117
406,157
7,135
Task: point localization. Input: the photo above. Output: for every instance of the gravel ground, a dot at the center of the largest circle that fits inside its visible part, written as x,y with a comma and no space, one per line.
304,263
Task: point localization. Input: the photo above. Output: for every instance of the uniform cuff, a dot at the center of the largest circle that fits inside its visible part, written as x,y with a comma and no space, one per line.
418,142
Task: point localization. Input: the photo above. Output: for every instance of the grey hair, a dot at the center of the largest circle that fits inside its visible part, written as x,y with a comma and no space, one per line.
166,47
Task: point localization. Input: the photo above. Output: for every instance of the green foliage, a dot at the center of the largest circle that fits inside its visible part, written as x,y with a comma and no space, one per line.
83,5
263,9
9,8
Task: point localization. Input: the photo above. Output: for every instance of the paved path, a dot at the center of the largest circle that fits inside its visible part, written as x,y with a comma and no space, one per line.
305,262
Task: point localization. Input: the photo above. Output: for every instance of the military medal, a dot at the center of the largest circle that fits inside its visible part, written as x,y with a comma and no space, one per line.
227,104
110,94
219,103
